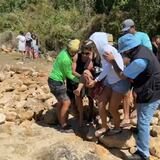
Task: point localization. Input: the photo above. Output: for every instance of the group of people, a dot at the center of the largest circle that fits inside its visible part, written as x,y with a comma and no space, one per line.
109,75
28,45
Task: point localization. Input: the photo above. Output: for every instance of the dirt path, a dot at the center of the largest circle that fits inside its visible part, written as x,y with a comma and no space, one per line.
14,58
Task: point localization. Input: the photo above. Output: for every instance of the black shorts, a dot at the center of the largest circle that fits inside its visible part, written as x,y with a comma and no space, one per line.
58,89
71,86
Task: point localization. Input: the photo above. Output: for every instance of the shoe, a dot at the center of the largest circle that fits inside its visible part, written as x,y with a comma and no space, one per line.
137,156
66,129
100,132
114,131
125,123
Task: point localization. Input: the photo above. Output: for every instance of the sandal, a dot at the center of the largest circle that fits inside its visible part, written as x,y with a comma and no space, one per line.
66,129
100,132
114,131
125,123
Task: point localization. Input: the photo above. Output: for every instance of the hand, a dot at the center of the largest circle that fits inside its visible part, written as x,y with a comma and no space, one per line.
92,83
108,56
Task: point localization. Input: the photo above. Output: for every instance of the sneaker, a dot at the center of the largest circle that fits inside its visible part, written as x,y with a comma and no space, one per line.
114,131
137,156
100,132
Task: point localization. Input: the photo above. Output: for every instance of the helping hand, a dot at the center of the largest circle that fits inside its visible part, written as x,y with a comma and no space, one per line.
108,56
92,83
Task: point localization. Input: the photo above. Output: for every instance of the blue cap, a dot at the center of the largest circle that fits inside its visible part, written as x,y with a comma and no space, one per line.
127,42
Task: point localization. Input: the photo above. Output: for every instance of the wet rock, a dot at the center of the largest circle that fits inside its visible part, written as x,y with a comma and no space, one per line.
50,117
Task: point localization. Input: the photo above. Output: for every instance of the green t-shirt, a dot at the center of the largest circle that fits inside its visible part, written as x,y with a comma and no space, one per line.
62,68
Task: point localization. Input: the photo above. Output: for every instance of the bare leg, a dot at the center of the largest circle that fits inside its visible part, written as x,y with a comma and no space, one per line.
102,101
77,92
80,109
114,106
63,112
59,106
126,105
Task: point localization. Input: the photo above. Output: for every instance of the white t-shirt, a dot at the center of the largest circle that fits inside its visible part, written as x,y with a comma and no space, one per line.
101,42
21,43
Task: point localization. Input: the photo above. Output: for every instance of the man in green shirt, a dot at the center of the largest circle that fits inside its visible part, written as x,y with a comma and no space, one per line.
62,69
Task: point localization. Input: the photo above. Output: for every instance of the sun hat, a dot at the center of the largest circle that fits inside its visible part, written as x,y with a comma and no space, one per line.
110,39
127,42
74,45
127,24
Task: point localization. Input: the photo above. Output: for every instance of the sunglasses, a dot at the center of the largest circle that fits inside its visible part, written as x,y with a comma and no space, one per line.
86,53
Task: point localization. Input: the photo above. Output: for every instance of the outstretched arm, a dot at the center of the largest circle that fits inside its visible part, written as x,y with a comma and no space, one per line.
110,58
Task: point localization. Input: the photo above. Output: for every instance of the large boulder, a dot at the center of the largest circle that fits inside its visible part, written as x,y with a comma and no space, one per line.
123,140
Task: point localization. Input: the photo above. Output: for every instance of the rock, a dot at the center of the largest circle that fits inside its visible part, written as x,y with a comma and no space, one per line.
20,104
2,118
2,77
49,59
11,116
50,102
66,150
45,89
28,82
44,96
22,88
7,127
134,121
50,117
155,132
155,146
28,115
132,150
7,97
157,113
35,74
123,140
154,121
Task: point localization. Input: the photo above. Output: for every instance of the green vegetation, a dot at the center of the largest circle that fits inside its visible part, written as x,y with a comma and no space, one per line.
55,21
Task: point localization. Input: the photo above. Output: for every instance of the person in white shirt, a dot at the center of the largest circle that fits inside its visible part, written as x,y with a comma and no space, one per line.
114,89
21,44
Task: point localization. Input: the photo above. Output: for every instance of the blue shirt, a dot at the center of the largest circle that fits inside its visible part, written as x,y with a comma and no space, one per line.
144,39
135,68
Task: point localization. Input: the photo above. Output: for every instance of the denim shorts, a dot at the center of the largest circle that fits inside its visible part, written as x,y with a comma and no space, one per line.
122,86
58,89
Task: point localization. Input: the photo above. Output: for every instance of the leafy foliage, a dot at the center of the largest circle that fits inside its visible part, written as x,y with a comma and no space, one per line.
55,21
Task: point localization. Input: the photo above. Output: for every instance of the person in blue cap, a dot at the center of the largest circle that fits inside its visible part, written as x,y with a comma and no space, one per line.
143,70
143,38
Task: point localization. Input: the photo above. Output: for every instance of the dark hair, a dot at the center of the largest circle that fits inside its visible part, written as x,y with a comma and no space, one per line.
87,45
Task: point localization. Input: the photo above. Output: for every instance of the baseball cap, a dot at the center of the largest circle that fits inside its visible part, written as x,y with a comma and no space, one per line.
127,24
